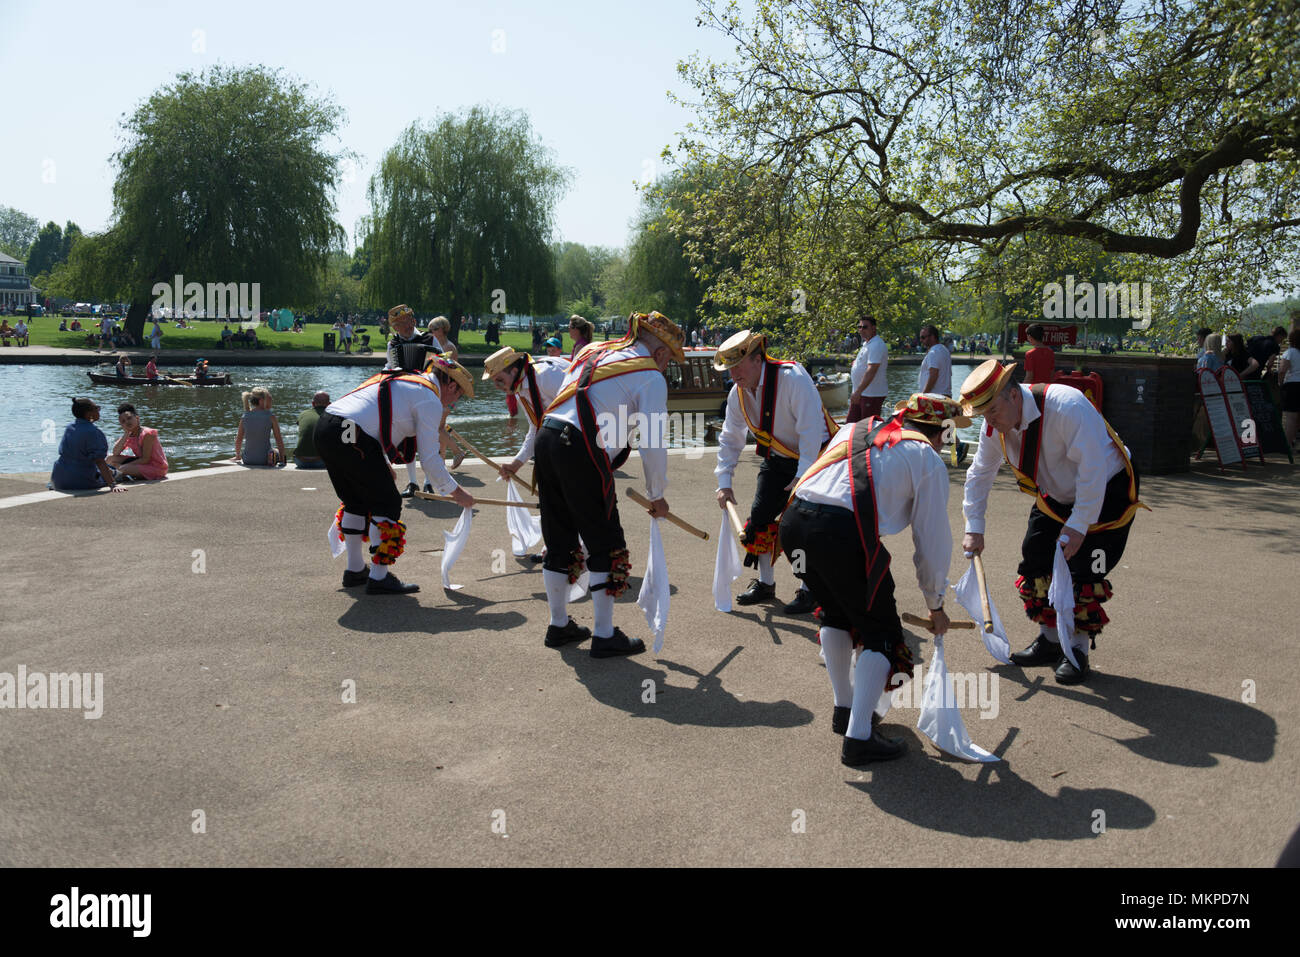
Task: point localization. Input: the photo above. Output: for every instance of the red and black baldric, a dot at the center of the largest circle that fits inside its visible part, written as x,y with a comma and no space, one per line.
767,408
1032,442
605,465
403,451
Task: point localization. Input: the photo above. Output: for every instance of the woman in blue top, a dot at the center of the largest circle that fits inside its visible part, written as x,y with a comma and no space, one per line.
82,453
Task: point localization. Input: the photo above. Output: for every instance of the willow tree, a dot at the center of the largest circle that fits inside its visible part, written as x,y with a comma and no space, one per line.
461,218
861,137
224,179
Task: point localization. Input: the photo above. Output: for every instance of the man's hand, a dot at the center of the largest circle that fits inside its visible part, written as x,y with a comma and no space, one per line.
462,498
510,468
972,543
724,496
659,508
939,622
1074,540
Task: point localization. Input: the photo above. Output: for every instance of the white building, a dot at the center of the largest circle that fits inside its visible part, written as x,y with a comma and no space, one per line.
15,289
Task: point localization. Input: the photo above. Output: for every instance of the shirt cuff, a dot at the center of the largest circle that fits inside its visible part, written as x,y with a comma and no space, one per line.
975,526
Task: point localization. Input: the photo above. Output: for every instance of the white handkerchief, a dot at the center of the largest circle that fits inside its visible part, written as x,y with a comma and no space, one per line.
655,592
940,720
453,544
1061,597
726,567
968,596
335,540
525,528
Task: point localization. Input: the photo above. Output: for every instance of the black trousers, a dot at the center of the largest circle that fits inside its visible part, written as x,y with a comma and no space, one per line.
358,470
770,496
1100,550
822,544
572,503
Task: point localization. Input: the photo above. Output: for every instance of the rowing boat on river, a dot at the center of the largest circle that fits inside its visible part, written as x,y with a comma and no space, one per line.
99,378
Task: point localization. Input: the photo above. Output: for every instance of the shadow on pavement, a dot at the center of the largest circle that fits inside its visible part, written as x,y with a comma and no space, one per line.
394,614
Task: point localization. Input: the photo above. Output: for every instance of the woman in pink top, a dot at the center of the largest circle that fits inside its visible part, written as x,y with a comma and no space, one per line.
138,453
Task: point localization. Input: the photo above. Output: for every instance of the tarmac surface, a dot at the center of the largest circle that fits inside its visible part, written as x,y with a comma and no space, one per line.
228,648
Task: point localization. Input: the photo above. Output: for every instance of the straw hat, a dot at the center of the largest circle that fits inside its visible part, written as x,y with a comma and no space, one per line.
736,348
663,329
452,370
931,408
500,360
399,312
983,385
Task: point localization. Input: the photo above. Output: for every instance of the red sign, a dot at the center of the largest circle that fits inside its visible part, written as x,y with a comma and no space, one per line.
1052,335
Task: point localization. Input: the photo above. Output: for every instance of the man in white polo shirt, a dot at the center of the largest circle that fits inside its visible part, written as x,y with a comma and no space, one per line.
935,375
869,373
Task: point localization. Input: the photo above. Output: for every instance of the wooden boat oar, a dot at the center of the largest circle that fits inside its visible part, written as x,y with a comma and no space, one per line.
736,523
984,594
430,497
645,503
911,619
174,379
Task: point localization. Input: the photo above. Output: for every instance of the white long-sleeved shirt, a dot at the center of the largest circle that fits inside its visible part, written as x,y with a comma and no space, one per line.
799,423
910,483
1075,461
615,401
416,412
550,372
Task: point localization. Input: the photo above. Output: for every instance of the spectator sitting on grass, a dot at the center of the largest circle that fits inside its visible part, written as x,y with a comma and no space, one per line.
20,333
256,426
139,452
6,332
226,334
83,452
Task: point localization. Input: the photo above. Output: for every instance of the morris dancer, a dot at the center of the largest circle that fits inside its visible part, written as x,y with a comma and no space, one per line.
1085,491
407,351
606,384
780,404
875,478
393,415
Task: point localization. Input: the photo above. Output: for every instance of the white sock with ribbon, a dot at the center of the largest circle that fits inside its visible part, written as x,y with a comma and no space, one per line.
837,649
353,526
557,596
765,573
602,606
868,682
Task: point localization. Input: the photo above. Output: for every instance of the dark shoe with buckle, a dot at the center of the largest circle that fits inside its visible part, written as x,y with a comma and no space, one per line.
390,584
352,579
802,605
856,753
757,592
411,489
1041,652
616,645
1067,674
571,632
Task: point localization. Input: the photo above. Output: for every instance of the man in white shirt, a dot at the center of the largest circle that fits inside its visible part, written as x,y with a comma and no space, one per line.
779,403
1085,495
20,333
875,478
869,374
935,375
534,382
392,415
609,384
106,331
408,350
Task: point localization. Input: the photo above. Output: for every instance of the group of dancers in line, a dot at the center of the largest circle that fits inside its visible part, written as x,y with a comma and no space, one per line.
825,494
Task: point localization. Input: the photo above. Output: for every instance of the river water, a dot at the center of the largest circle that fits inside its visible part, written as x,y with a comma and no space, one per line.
197,426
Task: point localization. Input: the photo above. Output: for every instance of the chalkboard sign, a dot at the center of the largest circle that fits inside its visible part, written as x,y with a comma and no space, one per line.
1221,427
1267,421
1242,417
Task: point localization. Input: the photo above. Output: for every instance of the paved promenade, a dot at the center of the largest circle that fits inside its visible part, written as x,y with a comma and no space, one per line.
211,608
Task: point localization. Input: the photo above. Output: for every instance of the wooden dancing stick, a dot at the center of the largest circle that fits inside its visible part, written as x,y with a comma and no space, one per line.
644,502
984,594
460,440
911,619
430,497
736,523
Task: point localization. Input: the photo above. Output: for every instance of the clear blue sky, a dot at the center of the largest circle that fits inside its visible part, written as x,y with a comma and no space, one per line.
592,76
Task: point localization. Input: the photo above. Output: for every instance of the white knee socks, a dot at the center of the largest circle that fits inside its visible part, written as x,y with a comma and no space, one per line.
557,596
765,573
353,526
602,606
868,682
837,649
410,473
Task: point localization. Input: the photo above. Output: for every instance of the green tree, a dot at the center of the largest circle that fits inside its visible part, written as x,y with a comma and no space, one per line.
47,250
461,218
577,274
223,179
17,232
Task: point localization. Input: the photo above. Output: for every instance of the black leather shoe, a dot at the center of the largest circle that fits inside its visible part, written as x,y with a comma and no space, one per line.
1041,652
757,592
428,489
390,584
615,645
1067,674
351,579
410,490
557,637
802,605
856,753
840,719
537,558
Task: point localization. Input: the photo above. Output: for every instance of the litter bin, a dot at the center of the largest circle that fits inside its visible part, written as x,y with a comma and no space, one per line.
329,345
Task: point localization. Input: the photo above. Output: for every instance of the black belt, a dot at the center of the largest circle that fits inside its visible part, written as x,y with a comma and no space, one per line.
554,424
818,508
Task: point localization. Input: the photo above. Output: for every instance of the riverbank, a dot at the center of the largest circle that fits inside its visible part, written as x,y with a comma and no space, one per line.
313,725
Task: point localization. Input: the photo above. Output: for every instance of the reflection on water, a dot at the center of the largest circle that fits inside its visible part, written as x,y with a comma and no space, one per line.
197,426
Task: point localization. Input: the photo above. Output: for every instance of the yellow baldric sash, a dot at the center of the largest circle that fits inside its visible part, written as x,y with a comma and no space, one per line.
1031,452
602,372
533,402
404,451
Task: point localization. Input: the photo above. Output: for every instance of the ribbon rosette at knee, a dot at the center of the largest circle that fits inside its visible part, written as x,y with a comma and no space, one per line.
655,592
525,527
453,544
967,591
727,567
579,589
1061,597
940,720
